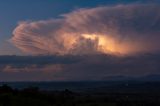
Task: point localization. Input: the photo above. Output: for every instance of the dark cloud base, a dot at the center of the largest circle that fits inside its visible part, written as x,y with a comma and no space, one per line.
86,67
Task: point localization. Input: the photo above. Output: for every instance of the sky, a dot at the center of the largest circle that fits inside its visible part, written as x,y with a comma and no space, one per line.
45,40
20,10
13,12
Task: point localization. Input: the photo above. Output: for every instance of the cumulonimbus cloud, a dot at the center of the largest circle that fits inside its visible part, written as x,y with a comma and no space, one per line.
120,29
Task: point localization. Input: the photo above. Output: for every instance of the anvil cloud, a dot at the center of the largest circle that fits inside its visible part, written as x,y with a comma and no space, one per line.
121,29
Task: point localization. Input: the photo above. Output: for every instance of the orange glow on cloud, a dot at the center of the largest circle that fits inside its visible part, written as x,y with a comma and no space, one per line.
105,44
108,30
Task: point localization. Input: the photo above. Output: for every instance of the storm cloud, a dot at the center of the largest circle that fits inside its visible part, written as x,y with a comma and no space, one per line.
69,68
120,29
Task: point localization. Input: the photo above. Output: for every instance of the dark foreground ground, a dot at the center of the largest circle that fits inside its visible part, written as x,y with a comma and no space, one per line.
119,94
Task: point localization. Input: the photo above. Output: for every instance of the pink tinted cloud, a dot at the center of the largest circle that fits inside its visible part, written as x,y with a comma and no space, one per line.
122,29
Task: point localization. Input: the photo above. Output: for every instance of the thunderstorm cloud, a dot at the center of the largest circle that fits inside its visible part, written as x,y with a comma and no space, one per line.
119,29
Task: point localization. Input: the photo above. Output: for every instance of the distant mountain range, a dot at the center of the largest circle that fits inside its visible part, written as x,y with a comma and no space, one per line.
140,78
